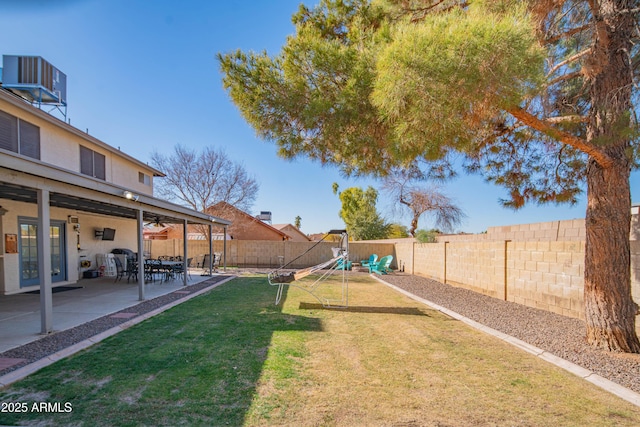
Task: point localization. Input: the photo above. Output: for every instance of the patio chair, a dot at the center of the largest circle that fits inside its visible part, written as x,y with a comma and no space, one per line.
342,265
217,256
382,266
152,267
178,271
120,270
373,258
131,270
189,260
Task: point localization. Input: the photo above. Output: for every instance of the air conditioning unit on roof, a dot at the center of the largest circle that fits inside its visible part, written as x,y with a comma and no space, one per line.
34,79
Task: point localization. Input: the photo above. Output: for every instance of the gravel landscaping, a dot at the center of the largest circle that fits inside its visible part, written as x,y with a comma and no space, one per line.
559,335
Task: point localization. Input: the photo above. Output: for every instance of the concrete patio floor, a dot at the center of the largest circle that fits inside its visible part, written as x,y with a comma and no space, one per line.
94,298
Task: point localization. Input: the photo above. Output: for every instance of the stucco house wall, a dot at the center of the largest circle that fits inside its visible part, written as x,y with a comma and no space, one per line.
60,148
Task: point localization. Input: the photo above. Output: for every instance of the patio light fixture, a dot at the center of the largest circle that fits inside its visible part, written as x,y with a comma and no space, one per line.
130,196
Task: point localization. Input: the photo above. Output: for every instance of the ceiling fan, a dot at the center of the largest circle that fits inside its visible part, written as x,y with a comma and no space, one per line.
156,222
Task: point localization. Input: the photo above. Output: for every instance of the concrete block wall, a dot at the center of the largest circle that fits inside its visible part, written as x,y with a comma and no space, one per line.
404,255
424,259
272,254
359,251
572,229
546,275
539,265
635,270
540,274
430,259
478,266
565,230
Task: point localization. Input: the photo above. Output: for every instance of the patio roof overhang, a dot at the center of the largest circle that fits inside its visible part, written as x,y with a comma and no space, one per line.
20,178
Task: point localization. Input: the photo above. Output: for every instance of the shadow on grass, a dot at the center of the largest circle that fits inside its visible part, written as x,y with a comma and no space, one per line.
412,311
198,363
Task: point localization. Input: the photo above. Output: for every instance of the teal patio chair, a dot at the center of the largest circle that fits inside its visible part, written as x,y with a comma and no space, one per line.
382,266
341,265
373,258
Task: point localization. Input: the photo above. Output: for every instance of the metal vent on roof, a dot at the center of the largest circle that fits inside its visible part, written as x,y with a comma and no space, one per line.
264,216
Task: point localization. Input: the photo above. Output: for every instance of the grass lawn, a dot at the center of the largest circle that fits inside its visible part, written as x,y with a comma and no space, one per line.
231,357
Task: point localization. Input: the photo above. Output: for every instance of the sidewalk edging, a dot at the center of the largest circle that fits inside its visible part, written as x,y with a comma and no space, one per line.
29,369
595,379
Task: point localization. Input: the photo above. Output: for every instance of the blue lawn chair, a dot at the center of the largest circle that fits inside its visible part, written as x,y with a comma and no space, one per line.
341,265
382,266
367,262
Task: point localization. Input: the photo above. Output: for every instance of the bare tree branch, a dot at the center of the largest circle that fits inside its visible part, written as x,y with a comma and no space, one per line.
569,60
564,78
575,118
421,200
566,34
199,180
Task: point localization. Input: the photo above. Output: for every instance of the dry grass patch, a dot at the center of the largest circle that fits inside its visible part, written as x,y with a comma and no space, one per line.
388,360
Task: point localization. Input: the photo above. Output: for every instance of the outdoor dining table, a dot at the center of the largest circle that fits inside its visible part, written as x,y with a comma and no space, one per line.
170,268
164,268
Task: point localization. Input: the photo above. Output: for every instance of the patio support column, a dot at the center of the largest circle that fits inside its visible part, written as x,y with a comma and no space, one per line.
44,261
224,249
185,265
210,251
140,221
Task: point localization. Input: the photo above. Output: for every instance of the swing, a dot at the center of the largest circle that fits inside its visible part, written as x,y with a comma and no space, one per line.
295,278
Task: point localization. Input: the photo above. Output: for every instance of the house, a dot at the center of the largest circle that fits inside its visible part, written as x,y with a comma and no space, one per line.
91,197
316,237
293,232
244,226
156,233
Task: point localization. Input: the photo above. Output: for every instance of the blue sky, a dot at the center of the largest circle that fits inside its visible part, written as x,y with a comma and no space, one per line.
142,76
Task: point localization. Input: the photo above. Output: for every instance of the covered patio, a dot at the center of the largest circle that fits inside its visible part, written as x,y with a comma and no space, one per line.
57,192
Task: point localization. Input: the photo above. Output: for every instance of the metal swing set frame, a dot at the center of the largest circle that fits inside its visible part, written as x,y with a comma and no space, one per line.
280,278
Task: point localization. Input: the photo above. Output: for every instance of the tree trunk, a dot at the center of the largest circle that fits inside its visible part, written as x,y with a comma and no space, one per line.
610,311
414,225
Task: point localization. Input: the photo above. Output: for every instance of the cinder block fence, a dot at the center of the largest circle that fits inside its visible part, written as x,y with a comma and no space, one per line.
539,265
271,254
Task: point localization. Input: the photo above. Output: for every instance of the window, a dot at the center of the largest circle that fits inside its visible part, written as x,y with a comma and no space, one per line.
92,163
19,136
143,178
29,139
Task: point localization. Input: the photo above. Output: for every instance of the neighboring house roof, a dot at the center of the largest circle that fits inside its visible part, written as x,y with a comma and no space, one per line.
244,226
316,237
292,231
